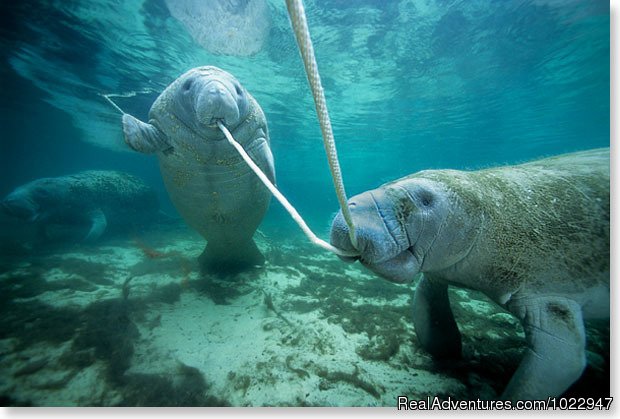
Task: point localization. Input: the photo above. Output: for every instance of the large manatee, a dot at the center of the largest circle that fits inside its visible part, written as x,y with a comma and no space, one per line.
533,237
211,186
97,199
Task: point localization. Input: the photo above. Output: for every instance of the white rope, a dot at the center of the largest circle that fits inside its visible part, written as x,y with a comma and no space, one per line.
302,35
107,97
291,210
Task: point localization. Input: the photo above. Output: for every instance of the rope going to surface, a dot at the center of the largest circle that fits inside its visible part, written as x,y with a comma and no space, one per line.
291,210
302,34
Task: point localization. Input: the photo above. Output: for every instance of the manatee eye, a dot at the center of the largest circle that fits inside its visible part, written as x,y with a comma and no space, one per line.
187,85
426,197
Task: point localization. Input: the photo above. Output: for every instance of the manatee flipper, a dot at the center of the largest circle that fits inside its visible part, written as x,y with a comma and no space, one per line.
143,137
98,225
555,356
230,260
433,320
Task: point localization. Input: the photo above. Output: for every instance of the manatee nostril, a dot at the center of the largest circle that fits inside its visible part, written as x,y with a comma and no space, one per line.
187,85
238,90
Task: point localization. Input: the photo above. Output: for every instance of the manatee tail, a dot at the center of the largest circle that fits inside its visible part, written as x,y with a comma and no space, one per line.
226,261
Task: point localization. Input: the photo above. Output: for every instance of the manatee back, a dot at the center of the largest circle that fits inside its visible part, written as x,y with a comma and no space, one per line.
123,198
544,224
105,186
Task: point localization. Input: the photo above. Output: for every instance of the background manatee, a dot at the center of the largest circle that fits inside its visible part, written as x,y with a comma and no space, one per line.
533,237
96,199
210,185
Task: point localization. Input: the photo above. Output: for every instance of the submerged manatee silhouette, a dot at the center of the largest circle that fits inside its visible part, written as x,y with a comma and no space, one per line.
209,183
96,198
533,237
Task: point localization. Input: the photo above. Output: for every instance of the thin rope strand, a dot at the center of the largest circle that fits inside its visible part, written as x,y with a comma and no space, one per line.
107,96
289,208
112,103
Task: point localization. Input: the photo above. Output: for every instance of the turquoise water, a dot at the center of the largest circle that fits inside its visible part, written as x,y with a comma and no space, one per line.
410,85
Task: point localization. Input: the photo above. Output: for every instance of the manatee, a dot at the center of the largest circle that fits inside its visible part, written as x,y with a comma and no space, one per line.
95,198
213,189
533,237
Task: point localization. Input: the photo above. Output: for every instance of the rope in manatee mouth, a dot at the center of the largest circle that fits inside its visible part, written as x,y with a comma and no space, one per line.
299,22
289,208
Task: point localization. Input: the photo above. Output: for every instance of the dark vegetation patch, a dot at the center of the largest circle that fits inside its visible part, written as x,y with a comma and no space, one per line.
33,321
107,327
359,304
222,290
169,293
185,388
337,298
104,331
32,366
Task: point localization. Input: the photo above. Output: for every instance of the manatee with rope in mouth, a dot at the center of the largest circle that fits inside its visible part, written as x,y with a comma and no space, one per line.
211,186
533,237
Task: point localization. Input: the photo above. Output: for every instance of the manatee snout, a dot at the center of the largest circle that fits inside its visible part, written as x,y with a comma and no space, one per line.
214,95
215,102
380,240
20,207
372,237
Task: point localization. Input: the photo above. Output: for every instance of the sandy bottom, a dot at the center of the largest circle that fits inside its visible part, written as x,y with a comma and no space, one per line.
132,322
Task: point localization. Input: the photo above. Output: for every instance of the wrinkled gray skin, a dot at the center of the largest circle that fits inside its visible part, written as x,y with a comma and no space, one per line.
97,199
210,185
533,237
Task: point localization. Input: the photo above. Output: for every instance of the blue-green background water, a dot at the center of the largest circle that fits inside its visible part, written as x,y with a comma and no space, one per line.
410,85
